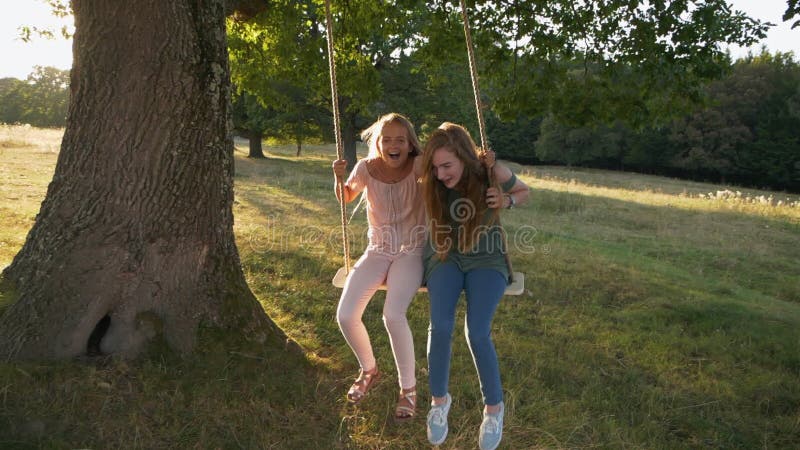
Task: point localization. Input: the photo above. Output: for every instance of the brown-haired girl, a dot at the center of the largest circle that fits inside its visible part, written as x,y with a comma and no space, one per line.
466,253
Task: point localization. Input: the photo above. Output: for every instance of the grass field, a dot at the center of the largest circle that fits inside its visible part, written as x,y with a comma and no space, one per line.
658,314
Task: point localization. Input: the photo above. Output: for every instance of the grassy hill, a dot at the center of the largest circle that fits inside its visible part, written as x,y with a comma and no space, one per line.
658,313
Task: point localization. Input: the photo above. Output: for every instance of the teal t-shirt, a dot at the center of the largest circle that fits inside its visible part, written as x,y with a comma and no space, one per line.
489,251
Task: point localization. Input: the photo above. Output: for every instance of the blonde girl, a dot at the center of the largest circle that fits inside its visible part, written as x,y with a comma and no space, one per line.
388,176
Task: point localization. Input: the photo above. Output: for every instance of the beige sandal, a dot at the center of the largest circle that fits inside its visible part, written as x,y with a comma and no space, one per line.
362,385
406,407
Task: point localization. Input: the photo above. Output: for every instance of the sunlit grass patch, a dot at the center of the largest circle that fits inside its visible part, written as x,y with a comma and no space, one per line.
12,235
28,158
660,191
43,140
14,143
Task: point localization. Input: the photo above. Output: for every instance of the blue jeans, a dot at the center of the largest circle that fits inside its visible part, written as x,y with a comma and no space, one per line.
484,288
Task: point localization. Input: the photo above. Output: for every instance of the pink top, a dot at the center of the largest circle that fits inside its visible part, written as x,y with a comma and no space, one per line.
395,211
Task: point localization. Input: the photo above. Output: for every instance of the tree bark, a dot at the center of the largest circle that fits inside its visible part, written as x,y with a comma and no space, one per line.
137,223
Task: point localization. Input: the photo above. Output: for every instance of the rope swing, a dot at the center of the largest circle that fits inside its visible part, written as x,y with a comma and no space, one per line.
516,279
337,131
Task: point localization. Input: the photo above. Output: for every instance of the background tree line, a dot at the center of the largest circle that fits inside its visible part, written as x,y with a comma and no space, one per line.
743,128
745,131
40,100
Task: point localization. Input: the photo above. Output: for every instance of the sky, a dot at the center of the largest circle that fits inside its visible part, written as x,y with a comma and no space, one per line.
18,58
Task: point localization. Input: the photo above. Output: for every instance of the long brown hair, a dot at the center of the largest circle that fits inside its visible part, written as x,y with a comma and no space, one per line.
462,220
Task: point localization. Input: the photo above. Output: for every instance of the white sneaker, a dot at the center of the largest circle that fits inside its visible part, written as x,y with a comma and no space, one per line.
491,429
437,421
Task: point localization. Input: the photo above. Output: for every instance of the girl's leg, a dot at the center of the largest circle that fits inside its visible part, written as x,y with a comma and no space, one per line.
484,289
444,287
402,283
366,276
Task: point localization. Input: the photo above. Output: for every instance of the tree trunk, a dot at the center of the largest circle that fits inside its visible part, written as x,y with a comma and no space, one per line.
349,140
348,124
137,223
255,138
298,137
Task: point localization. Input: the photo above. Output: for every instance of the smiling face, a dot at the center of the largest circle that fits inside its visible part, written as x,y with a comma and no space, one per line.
393,145
447,168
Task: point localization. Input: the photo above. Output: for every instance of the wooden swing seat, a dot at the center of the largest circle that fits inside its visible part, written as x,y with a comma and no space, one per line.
515,288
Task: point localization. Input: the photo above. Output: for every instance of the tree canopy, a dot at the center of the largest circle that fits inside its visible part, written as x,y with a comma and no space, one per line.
581,62
792,11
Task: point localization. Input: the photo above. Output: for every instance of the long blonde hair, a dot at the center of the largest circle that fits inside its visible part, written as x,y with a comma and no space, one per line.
372,135
463,220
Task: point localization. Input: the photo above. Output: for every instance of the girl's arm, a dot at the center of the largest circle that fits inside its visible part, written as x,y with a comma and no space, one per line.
339,169
517,195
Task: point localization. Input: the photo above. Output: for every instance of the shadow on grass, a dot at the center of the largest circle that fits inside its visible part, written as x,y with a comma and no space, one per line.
228,393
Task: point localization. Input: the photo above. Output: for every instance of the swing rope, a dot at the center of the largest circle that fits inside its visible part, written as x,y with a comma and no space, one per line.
337,132
473,72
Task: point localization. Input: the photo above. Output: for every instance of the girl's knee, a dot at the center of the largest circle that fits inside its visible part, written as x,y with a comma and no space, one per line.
478,327
478,339
442,328
347,320
393,318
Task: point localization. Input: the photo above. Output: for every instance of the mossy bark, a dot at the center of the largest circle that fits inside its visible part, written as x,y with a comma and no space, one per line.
137,223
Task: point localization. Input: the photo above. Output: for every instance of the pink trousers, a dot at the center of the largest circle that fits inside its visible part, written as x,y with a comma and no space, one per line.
402,275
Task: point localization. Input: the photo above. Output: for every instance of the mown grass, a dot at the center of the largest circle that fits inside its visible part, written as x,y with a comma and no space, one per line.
654,317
